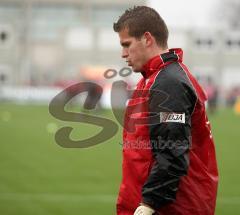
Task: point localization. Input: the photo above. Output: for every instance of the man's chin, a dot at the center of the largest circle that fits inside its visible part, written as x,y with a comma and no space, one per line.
136,69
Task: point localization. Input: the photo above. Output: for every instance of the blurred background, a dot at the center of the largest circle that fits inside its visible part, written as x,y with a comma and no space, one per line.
48,45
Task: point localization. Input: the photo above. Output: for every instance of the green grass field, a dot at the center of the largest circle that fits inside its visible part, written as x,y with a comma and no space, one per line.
39,177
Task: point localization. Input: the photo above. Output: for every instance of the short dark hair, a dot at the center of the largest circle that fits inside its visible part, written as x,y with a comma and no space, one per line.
141,19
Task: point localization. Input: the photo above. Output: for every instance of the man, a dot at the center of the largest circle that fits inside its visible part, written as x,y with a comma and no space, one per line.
169,164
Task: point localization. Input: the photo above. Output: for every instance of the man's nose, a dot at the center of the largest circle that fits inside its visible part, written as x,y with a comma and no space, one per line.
124,53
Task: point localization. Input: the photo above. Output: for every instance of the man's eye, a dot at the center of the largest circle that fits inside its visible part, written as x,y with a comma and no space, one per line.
125,45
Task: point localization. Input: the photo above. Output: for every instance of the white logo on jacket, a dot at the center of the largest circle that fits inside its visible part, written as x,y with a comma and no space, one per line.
172,117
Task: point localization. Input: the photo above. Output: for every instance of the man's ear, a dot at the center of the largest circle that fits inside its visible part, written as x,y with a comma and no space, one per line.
148,38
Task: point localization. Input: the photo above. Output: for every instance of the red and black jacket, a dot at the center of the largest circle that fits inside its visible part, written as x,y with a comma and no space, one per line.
168,152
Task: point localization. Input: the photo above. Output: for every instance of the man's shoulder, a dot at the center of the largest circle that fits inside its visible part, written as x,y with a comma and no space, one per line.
173,75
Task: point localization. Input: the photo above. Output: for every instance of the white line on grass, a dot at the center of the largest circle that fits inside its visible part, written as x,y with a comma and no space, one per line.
74,197
104,198
231,200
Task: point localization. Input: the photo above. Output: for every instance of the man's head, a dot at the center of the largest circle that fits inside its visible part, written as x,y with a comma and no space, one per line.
143,34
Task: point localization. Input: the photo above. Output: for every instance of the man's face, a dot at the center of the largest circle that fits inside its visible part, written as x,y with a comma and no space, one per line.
133,50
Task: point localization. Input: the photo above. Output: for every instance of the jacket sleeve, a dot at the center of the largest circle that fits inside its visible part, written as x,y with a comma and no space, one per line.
171,104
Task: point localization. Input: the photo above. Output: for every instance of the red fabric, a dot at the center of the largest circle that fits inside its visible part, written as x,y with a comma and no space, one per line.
198,189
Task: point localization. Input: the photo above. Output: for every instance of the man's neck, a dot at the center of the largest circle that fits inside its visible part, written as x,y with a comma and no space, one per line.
157,51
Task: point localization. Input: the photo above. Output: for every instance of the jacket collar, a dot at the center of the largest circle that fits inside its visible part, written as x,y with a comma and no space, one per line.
158,62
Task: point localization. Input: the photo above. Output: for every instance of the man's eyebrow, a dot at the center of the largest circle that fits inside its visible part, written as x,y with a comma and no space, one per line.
125,43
